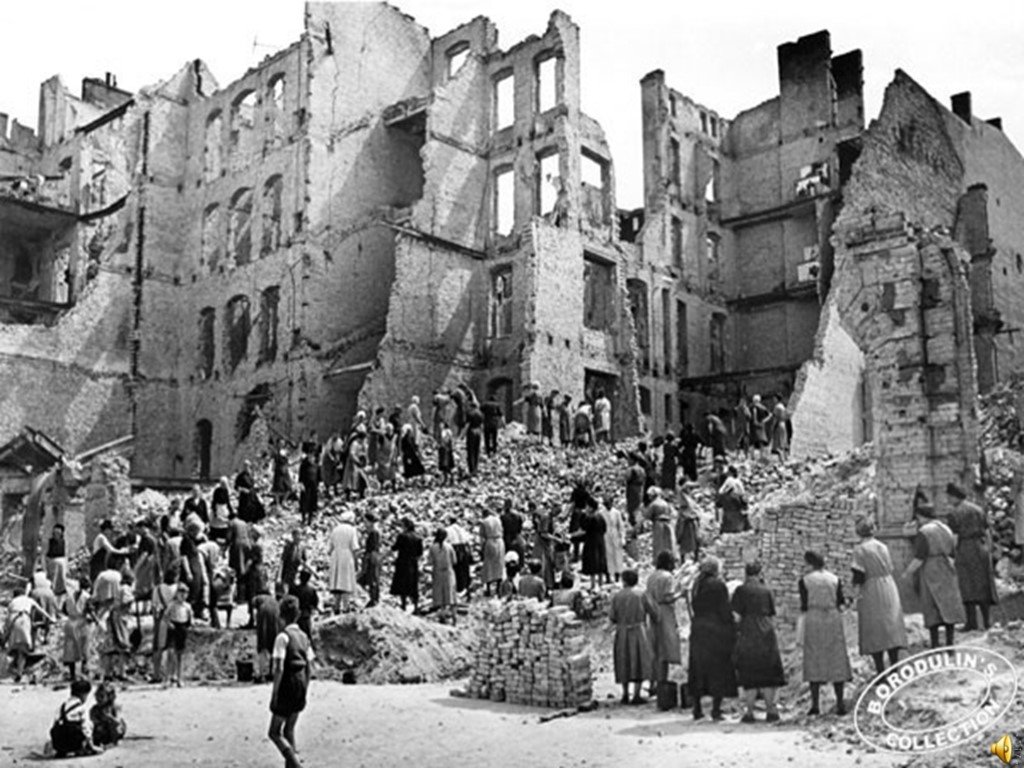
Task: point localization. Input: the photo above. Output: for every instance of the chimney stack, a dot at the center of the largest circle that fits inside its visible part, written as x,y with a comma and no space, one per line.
961,104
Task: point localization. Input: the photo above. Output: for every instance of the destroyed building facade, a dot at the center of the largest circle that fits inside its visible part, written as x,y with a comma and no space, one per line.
370,214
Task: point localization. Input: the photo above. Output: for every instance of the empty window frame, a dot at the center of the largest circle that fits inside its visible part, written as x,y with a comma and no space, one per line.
207,343
711,188
547,83
457,56
270,299
674,161
637,291
504,100
237,325
240,227
549,182
209,248
673,104
274,109
676,238
714,127
243,120
645,401
716,342
213,161
271,209
203,447
682,338
504,201
598,293
666,328
712,244
501,302
703,122
595,201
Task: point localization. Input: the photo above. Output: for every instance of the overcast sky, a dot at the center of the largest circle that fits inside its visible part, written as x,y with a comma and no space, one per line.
721,54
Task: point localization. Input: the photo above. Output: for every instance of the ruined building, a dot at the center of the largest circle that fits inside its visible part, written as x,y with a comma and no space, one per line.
369,214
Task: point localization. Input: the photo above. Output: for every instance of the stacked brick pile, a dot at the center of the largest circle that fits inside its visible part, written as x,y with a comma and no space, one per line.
529,654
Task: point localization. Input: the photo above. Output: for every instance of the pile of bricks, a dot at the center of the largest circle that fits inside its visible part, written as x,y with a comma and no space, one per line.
533,655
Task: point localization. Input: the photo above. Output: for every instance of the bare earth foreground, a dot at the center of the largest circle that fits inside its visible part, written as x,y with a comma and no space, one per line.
420,725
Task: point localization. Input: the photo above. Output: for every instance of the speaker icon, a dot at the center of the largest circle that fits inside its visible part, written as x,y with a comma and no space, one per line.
1003,749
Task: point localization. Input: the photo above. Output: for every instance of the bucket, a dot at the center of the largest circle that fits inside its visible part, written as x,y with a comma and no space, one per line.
244,670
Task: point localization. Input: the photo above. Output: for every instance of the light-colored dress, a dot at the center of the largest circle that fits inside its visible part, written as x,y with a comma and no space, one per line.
664,630
879,613
19,624
602,415
76,629
342,547
442,568
824,642
493,550
614,539
936,579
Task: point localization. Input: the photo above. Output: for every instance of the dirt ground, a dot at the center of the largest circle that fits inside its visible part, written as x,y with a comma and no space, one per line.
420,724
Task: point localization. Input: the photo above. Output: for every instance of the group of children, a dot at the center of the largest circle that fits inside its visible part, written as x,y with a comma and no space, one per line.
73,733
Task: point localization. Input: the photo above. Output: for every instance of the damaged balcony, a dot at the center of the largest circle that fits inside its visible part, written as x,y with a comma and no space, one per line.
409,115
35,260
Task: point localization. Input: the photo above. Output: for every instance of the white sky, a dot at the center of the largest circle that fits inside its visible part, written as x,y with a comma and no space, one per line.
721,54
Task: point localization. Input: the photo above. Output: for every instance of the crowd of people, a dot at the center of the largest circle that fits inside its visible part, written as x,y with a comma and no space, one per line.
205,556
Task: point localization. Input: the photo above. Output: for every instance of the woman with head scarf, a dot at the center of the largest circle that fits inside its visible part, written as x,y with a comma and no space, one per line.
824,641
879,613
342,548
661,595
660,513
758,662
405,583
712,638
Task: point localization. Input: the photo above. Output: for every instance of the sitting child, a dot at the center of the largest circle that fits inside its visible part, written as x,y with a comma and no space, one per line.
108,727
71,731
531,585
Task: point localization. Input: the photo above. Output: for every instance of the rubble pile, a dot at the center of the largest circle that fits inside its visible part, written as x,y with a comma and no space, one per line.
1003,473
532,655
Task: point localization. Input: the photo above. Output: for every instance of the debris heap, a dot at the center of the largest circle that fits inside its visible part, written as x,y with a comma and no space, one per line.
528,654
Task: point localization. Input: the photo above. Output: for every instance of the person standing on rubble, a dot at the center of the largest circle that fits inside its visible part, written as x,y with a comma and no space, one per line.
250,508
879,613
614,538
631,647
492,551
543,542
414,418
474,437
309,481
512,530
440,408
549,417
602,418
412,464
780,430
494,418
222,511
689,445
369,576
442,576
196,504
669,463
461,542
405,583
281,485
934,573
343,546
973,559
759,418
660,514
732,500
742,416
353,479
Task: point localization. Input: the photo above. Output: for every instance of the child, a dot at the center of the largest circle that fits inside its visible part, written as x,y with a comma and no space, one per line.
531,585
77,628
268,627
71,733
108,727
632,649
179,619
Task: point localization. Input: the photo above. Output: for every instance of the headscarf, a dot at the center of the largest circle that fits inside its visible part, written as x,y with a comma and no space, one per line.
865,527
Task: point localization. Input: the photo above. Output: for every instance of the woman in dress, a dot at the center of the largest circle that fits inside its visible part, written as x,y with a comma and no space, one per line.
412,464
341,551
369,577
712,639
331,459
353,479
593,529
758,662
543,543
21,613
405,584
631,647
57,560
291,660
661,595
659,512
442,575
386,457
614,538
934,574
78,628
879,613
493,551
687,527
221,512
823,639
103,550
780,431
